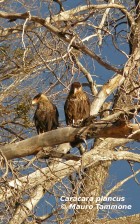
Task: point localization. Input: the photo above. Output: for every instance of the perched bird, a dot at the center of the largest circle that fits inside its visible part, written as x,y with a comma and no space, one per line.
46,114
77,105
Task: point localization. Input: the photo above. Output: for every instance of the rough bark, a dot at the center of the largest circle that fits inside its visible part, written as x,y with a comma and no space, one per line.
96,175
35,144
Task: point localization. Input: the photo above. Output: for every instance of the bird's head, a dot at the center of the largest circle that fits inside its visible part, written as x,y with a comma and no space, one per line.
76,87
38,98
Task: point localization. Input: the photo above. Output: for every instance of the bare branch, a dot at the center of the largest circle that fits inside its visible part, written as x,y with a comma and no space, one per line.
133,219
106,90
62,35
23,211
121,183
60,170
68,134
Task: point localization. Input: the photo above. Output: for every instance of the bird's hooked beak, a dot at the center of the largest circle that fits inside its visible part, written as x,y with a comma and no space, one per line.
75,90
34,101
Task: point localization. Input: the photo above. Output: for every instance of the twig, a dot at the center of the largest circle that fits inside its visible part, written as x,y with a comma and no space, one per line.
24,46
122,182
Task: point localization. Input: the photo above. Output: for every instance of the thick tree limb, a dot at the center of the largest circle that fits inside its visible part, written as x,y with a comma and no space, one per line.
68,134
57,172
24,210
106,90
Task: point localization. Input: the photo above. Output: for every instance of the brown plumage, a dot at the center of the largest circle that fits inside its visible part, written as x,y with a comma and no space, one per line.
77,105
46,114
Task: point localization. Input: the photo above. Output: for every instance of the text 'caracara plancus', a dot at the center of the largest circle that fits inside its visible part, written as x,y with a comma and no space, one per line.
77,105
46,115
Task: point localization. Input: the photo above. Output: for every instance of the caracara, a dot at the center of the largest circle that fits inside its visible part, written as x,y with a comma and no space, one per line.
46,114
77,105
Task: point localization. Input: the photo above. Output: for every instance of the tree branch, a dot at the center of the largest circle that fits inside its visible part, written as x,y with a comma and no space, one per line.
62,35
59,171
25,209
106,90
134,219
121,183
69,134
67,15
